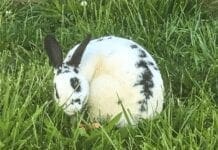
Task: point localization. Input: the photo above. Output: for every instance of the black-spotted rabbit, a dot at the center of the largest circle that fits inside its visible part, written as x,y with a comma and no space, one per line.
105,73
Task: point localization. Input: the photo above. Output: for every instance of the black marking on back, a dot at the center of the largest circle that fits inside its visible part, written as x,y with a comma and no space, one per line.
142,64
100,39
133,46
150,63
75,84
142,53
146,83
153,65
56,92
143,105
145,79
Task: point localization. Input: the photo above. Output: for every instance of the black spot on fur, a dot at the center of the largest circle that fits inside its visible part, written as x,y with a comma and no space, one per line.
66,67
75,84
56,92
150,63
65,71
99,40
145,79
142,64
77,101
75,70
58,71
133,46
143,105
156,68
142,53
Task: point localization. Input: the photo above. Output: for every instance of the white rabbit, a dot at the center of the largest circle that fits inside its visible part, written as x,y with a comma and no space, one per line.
106,74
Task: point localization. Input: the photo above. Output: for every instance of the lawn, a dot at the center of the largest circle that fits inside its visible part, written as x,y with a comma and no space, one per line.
180,34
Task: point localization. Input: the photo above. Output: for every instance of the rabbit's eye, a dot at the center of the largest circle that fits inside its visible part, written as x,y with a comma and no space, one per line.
74,82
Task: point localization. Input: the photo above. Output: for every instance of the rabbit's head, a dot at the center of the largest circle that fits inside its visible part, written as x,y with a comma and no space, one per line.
71,89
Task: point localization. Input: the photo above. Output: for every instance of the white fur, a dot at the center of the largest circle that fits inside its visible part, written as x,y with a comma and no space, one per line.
109,66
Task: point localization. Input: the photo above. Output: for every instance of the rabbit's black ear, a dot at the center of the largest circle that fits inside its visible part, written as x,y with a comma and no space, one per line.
76,58
53,51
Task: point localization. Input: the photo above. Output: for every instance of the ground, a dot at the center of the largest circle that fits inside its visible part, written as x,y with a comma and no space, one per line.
180,34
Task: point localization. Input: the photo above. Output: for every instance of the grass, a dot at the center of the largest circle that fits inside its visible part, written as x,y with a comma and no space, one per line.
180,34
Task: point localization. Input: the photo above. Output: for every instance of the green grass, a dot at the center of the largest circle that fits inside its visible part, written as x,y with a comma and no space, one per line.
180,34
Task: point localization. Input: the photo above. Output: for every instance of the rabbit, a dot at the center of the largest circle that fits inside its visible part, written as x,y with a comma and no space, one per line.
108,75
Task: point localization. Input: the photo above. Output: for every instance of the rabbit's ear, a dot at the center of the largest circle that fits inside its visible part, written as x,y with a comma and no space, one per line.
76,58
53,51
